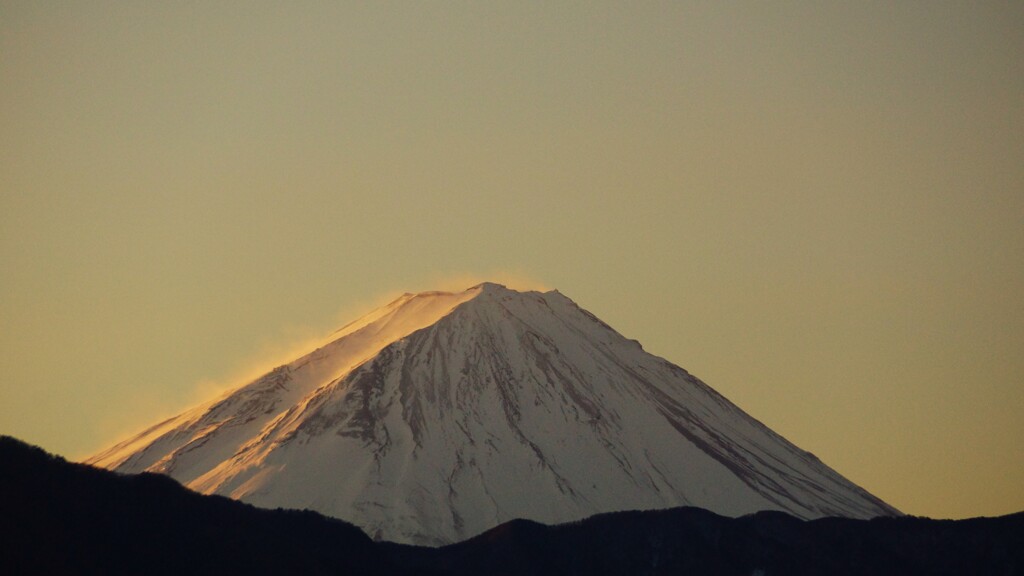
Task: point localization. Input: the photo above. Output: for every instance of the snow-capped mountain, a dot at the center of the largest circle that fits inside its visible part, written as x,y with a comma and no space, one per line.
441,415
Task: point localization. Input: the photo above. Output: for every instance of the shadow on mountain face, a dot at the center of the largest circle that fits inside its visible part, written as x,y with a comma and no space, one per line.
62,518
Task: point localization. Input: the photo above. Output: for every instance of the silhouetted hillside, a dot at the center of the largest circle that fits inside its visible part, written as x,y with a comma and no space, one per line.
694,541
62,518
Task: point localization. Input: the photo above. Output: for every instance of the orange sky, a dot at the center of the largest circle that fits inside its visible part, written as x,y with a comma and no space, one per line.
817,208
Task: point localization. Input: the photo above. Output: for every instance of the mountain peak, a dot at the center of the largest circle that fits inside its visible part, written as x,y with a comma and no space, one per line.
492,287
443,414
502,289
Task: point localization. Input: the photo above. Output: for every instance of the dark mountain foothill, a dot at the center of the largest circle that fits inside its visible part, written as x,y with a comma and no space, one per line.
58,517
62,518
697,542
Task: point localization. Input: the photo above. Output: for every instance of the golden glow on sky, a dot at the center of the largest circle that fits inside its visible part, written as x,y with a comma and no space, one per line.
818,208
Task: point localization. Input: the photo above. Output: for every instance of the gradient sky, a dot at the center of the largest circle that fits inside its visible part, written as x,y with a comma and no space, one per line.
816,207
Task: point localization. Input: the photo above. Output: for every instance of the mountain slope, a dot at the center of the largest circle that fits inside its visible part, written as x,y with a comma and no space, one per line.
444,414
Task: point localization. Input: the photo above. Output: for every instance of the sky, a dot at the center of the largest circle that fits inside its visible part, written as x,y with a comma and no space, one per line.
815,207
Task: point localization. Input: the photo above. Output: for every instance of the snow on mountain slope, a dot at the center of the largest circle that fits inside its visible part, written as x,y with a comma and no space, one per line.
441,415
222,425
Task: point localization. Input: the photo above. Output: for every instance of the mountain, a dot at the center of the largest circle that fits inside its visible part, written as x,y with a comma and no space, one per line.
441,415
62,518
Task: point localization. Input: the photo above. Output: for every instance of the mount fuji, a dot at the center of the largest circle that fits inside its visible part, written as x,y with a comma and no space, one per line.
444,414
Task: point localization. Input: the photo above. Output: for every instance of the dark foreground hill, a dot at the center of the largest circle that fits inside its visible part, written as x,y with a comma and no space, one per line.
694,541
63,518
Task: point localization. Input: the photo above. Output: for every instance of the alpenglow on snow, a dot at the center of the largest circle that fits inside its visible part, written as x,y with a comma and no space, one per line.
441,415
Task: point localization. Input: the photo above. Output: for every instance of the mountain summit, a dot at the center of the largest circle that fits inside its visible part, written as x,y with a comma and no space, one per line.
441,415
